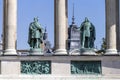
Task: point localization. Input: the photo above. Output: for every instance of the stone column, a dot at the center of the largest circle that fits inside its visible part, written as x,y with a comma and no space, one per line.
60,26
9,26
118,26
111,27
66,5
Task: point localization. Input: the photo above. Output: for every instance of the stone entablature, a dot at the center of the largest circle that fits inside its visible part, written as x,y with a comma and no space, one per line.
60,65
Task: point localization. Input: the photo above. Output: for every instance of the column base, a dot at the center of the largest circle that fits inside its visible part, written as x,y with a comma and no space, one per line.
10,52
111,52
60,52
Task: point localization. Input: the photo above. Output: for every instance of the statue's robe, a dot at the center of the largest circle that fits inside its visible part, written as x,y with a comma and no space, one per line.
35,32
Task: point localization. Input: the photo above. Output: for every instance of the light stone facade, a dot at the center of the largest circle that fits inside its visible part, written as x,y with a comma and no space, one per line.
61,67
8,67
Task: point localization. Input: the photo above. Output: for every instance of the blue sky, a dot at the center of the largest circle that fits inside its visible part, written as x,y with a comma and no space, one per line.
44,9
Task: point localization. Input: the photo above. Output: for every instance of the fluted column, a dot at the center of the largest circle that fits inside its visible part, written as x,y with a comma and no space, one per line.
60,26
111,27
9,26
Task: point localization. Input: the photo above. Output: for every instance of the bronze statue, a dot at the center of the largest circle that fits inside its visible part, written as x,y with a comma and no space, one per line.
35,34
87,34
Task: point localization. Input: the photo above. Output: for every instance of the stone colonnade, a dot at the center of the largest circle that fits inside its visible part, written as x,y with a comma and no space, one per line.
10,24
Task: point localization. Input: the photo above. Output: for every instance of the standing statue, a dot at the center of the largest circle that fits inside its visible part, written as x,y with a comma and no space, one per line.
35,34
87,34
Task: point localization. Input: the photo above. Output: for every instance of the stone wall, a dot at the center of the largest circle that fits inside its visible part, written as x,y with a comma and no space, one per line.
60,67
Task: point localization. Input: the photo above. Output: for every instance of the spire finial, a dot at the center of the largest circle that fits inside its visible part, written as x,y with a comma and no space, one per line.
73,18
45,29
1,38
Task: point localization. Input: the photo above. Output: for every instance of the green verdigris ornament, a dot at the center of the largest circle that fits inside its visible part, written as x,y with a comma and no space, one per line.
36,67
86,67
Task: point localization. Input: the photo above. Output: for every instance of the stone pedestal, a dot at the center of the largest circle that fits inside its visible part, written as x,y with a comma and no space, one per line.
36,52
75,52
86,51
